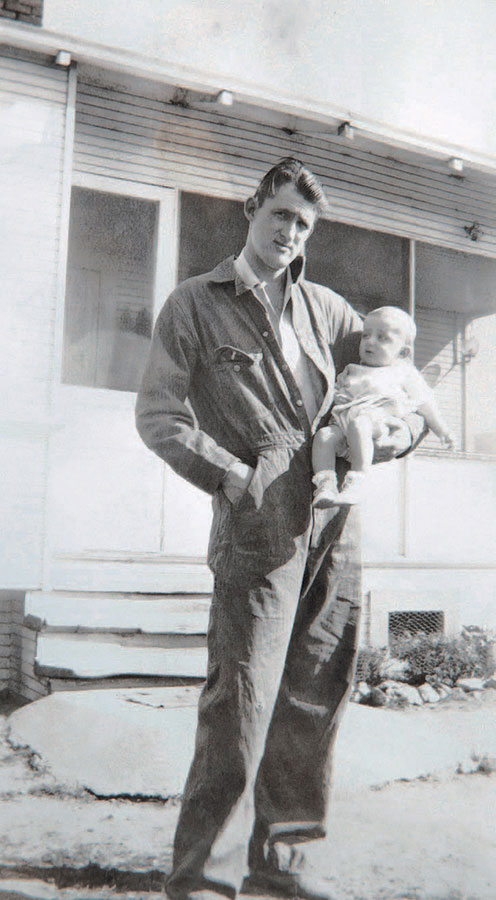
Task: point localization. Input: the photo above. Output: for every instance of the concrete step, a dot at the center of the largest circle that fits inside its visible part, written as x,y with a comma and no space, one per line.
121,682
106,656
117,613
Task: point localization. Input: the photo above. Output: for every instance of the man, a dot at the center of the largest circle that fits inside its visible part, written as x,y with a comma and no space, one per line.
253,347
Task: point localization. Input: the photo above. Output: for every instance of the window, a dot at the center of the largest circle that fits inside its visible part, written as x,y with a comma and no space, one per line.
109,293
456,322
211,229
455,301
367,268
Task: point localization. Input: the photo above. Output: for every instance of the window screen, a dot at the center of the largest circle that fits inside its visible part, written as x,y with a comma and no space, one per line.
109,293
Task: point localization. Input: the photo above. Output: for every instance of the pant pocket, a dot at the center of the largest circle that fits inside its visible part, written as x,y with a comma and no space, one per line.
219,532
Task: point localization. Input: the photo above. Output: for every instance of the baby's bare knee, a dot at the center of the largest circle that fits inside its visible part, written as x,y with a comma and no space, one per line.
326,437
360,425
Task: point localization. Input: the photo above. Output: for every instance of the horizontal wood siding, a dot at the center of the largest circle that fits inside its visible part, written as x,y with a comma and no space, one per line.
438,335
125,134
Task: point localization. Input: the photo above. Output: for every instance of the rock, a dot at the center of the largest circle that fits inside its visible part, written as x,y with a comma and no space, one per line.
397,669
491,656
444,691
397,690
491,681
361,691
375,697
470,684
458,693
428,693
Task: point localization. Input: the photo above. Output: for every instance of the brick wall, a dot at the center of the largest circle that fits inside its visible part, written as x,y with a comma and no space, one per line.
5,640
29,11
18,650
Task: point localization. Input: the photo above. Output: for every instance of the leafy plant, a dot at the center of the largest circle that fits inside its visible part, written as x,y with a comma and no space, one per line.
369,665
440,660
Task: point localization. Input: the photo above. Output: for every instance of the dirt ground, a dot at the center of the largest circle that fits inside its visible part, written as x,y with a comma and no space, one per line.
429,839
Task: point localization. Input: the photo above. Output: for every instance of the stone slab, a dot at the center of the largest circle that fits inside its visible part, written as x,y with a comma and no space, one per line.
117,612
69,656
139,742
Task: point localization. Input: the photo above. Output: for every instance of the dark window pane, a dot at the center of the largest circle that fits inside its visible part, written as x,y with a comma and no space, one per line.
109,293
211,229
367,268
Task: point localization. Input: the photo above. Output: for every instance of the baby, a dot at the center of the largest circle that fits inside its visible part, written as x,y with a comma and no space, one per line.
384,384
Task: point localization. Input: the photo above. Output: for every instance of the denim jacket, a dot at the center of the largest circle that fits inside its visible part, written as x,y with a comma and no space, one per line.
217,388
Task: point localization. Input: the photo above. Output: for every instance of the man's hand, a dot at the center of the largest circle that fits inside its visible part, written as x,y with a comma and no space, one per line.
395,438
236,481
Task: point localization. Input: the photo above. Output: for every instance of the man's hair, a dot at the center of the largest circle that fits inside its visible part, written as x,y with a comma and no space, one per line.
402,320
291,171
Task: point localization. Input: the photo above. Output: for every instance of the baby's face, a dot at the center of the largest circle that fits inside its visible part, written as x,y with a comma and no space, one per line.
382,343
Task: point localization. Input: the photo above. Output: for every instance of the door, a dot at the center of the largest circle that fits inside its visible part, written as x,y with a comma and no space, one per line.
119,519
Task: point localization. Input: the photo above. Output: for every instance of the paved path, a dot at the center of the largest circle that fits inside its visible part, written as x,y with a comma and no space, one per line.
431,838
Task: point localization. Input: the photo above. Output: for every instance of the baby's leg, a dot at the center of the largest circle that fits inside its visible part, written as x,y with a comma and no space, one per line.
324,451
360,436
360,439
324,447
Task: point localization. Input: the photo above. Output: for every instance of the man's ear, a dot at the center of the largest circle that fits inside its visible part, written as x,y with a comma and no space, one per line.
250,208
406,352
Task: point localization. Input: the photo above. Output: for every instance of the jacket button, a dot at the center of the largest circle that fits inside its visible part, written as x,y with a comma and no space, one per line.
237,368
299,402
265,333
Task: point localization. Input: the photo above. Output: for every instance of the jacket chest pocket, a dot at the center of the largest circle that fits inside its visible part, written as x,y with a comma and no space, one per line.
235,360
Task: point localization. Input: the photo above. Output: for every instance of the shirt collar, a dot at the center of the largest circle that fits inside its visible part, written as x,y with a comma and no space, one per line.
245,272
246,278
226,271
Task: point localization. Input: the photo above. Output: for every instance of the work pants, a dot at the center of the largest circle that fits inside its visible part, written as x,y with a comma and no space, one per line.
282,647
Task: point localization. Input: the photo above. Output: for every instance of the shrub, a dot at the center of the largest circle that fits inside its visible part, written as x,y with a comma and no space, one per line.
440,660
369,666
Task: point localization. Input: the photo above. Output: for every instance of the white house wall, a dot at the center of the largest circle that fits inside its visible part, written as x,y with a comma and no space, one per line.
32,108
441,535
417,69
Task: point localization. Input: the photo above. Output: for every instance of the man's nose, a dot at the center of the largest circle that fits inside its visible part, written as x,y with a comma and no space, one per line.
289,230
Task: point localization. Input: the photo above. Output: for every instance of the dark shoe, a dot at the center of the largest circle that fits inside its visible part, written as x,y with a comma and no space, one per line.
299,886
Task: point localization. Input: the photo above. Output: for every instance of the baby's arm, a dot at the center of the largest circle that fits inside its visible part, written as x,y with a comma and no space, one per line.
434,421
425,405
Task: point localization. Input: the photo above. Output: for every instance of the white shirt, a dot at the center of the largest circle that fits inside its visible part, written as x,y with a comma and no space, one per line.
305,373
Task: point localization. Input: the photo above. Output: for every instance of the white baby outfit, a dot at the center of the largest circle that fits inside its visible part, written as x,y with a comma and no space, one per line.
378,391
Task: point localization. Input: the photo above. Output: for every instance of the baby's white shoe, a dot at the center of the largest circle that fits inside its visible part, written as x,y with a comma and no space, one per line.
326,489
351,491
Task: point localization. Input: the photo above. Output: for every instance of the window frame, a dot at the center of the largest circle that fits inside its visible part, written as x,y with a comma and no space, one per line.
165,250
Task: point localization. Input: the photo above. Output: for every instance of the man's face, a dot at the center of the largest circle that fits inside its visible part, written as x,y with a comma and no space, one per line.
382,343
278,229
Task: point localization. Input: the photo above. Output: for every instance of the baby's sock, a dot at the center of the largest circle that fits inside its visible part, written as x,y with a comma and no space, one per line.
326,489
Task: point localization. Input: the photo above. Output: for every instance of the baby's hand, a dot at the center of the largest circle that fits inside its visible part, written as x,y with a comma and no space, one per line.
447,439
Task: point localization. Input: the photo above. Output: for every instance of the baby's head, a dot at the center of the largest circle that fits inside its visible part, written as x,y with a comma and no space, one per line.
387,338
